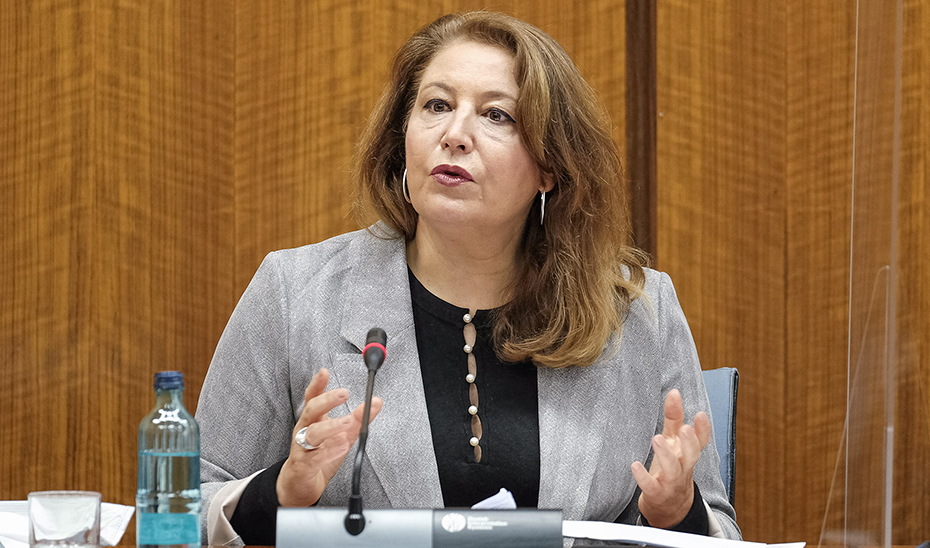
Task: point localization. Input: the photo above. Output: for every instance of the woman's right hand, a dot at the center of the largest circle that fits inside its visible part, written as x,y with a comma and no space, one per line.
306,474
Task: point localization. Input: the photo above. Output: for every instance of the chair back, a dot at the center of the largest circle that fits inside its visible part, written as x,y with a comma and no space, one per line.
722,385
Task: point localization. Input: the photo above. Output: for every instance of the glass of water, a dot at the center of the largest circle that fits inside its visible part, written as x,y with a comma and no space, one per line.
64,519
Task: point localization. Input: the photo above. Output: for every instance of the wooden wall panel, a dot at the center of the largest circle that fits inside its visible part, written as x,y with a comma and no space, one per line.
912,420
115,158
152,153
48,194
819,102
308,75
756,163
871,253
164,203
722,218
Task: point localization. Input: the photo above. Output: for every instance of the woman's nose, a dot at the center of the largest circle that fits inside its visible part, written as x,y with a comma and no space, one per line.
459,133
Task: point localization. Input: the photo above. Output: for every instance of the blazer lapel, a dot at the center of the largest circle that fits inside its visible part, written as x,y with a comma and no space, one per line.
573,406
400,445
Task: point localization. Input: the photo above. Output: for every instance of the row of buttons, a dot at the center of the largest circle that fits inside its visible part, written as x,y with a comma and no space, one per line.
470,336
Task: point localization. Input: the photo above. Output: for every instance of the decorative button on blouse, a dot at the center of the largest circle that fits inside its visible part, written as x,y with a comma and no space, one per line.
471,337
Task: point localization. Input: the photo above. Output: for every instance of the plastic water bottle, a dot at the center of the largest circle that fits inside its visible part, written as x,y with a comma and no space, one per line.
168,496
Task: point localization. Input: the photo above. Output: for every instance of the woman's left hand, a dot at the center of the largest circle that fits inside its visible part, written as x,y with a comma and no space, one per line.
667,487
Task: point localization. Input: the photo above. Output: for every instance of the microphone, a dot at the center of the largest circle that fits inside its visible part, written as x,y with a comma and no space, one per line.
374,353
399,528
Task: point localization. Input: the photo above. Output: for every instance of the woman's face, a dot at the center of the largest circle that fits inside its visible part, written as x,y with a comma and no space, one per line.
466,162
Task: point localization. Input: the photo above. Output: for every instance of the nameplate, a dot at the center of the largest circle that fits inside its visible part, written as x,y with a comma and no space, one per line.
447,528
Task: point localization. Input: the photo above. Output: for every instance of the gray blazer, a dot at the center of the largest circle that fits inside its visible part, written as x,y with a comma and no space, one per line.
311,307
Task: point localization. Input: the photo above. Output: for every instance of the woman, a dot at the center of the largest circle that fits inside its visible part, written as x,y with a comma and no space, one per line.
528,347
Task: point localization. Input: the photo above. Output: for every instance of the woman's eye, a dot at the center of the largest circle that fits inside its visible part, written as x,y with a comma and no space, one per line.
498,115
436,105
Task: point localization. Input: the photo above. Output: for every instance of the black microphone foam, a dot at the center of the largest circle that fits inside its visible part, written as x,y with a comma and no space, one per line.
376,335
375,348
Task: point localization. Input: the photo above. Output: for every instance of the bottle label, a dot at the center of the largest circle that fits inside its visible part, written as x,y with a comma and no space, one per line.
168,529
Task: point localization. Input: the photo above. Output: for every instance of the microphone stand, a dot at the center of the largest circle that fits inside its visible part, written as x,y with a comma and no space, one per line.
373,354
355,521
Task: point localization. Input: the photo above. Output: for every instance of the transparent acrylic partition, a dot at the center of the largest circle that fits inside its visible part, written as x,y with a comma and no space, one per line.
863,478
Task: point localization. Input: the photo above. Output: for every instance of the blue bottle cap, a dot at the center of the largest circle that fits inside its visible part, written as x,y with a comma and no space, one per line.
169,380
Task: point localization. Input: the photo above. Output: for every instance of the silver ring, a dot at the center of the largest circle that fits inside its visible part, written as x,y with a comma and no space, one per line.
301,439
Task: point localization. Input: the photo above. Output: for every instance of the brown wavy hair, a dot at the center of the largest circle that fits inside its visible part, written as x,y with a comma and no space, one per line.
576,275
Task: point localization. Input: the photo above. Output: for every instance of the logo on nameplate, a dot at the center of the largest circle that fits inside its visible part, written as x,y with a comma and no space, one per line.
453,523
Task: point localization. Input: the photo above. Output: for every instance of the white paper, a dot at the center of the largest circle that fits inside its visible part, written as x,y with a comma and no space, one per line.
503,500
114,518
14,523
651,536
14,529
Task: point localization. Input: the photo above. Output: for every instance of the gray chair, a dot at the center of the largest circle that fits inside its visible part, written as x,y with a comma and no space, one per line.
722,385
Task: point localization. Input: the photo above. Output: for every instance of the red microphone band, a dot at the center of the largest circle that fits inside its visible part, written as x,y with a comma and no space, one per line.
376,345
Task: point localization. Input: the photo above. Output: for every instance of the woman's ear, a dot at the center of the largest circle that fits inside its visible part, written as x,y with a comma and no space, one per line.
548,182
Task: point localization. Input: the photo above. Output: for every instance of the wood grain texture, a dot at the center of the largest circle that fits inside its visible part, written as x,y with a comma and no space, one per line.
912,419
150,155
722,218
116,161
871,254
47,218
820,70
756,114
308,75
164,204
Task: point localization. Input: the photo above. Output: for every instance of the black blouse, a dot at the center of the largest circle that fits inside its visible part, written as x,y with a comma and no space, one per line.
507,407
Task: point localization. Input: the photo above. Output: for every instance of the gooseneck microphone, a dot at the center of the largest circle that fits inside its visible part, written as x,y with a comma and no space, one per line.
405,528
374,353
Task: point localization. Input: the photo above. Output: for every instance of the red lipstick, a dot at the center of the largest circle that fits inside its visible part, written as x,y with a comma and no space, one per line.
450,175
